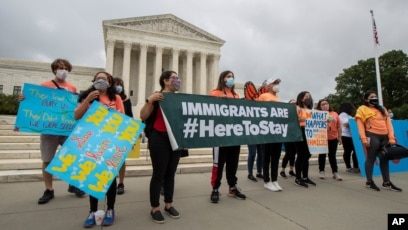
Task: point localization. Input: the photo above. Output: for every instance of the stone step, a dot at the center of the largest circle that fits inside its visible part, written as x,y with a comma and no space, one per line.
20,154
16,164
19,139
35,153
20,146
26,175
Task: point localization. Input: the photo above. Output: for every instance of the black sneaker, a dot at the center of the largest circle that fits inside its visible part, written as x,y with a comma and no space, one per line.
300,183
391,186
157,217
371,185
172,212
234,192
309,181
47,196
121,189
252,178
283,174
78,192
215,196
71,189
292,173
259,175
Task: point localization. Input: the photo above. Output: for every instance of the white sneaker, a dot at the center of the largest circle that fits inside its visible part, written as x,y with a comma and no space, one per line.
277,185
337,177
271,186
321,175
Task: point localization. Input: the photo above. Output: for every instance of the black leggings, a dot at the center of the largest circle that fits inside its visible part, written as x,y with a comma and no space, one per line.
228,156
290,154
110,198
332,145
164,162
349,151
303,156
272,155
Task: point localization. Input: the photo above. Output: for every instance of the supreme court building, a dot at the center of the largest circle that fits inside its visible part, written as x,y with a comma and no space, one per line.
137,50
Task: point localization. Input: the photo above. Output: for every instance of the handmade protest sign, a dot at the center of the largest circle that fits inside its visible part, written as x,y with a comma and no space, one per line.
195,121
94,152
46,110
316,131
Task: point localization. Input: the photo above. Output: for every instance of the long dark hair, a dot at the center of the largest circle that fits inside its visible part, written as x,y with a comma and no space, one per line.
110,91
299,100
221,84
165,76
377,106
348,108
119,81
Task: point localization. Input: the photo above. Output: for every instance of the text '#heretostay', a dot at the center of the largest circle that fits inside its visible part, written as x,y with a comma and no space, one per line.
207,128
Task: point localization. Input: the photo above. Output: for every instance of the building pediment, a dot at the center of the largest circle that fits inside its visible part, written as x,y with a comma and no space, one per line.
162,24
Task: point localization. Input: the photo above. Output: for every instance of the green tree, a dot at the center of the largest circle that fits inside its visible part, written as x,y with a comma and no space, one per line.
8,104
359,78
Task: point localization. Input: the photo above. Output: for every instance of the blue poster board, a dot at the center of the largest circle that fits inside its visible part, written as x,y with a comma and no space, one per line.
94,152
400,132
46,110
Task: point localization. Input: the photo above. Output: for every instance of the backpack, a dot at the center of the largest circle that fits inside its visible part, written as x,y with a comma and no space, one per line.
148,129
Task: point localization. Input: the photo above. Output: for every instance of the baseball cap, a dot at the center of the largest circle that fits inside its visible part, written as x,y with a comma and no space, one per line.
272,80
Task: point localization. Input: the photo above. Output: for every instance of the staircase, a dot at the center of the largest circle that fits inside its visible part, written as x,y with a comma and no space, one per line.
20,158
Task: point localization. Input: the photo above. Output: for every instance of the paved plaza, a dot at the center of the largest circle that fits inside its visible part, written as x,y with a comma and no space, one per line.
331,205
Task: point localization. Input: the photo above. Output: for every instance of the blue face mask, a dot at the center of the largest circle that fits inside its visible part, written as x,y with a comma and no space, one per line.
230,82
118,88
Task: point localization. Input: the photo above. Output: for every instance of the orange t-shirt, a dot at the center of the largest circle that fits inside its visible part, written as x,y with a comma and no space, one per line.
303,114
370,119
333,126
268,97
117,104
66,85
226,93
104,99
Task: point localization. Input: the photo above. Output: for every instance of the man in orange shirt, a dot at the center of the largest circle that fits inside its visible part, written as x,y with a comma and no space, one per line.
50,143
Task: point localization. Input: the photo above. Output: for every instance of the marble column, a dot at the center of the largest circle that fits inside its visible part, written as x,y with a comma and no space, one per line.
175,60
141,96
188,79
214,77
126,66
158,66
110,52
203,74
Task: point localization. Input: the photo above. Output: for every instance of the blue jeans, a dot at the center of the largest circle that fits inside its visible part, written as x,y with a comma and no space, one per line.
252,151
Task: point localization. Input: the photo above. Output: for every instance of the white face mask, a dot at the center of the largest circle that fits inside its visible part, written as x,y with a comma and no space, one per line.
276,88
61,74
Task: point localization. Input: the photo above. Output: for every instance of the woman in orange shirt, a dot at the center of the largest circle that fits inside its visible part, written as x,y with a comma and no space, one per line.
333,140
272,151
225,155
102,90
304,103
376,131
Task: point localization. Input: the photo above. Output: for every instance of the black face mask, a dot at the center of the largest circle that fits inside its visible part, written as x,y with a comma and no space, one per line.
373,101
307,101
